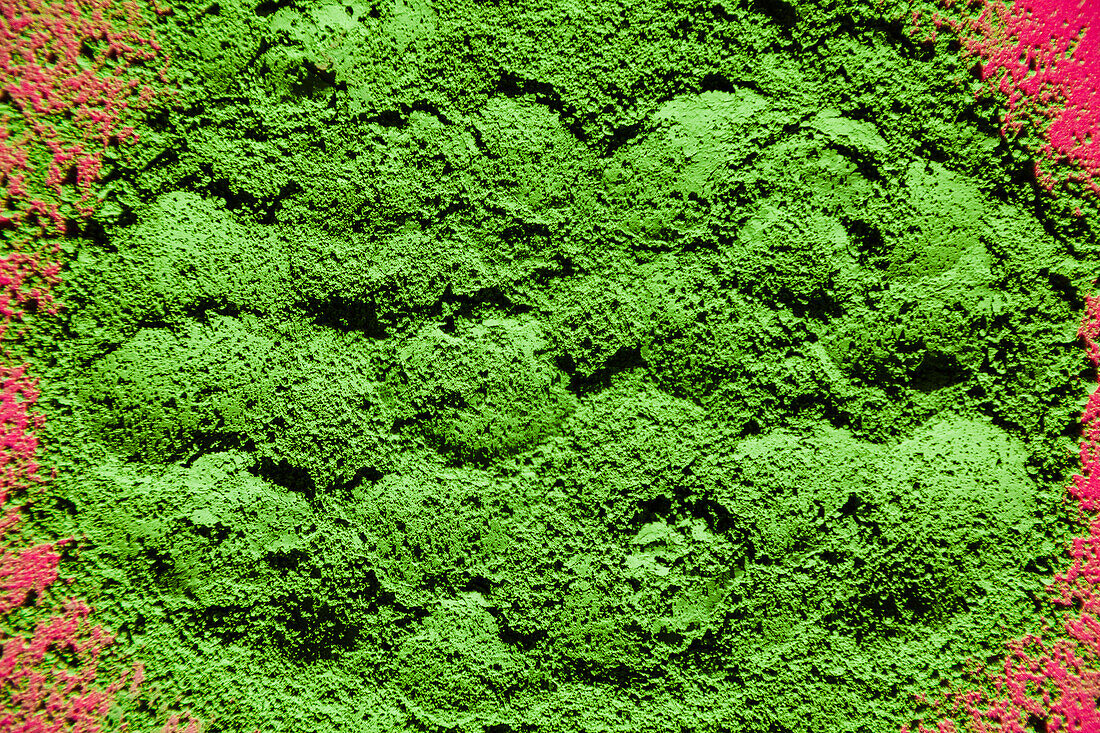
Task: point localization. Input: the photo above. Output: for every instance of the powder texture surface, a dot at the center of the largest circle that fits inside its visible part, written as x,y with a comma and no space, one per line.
649,366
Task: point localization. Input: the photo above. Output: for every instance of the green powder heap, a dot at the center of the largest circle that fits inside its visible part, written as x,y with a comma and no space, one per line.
653,366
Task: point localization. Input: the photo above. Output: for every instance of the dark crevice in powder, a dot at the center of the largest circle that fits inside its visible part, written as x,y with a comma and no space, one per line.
780,11
282,473
545,93
370,474
270,7
347,314
205,443
625,359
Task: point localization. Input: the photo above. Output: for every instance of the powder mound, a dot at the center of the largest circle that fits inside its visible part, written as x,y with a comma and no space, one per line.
483,391
168,393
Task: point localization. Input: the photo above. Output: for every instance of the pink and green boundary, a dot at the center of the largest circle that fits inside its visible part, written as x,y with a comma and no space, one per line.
1043,58
63,114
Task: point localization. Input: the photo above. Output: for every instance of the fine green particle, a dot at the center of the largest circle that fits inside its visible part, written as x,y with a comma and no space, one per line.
451,366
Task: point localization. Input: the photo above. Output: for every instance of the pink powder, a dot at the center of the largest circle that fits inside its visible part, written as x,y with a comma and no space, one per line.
1043,56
